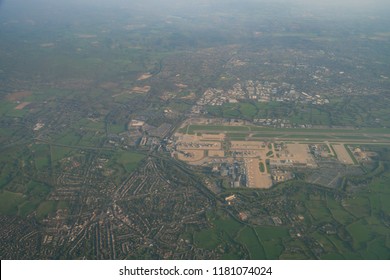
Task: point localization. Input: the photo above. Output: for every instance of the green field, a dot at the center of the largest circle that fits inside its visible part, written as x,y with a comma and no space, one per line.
358,206
206,239
129,160
28,207
261,167
338,212
42,156
60,152
249,239
69,138
9,202
46,208
272,240
318,210
225,229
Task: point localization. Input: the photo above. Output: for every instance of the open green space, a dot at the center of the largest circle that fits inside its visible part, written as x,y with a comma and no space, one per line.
90,124
38,190
360,232
358,206
272,240
9,202
318,210
28,207
297,250
261,167
221,225
91,138
42,156
377,249
7,173
178,106
344,248
123,163
129,160
46,208
228,225
60,152
260,242
206,239
69,138
116,128
325,242
339,213
249,239
7,107
23,204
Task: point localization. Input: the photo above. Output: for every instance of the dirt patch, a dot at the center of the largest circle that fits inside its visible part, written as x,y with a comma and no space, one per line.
109,85
144,89
247,145
144,76
256,179
213,153
38,126
182,86
217,137
188,97
342,154
293,155
299,153
22,105
17,96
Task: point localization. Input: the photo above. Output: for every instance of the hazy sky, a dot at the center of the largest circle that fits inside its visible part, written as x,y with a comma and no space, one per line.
321,8
353,4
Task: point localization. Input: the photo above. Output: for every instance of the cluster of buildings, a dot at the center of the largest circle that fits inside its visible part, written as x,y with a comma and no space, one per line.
283,123
257,91
234,172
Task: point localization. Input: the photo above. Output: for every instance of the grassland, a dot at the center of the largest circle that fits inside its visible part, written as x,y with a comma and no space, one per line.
262,167
129,160
9,202
272,240
46,208
248,237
